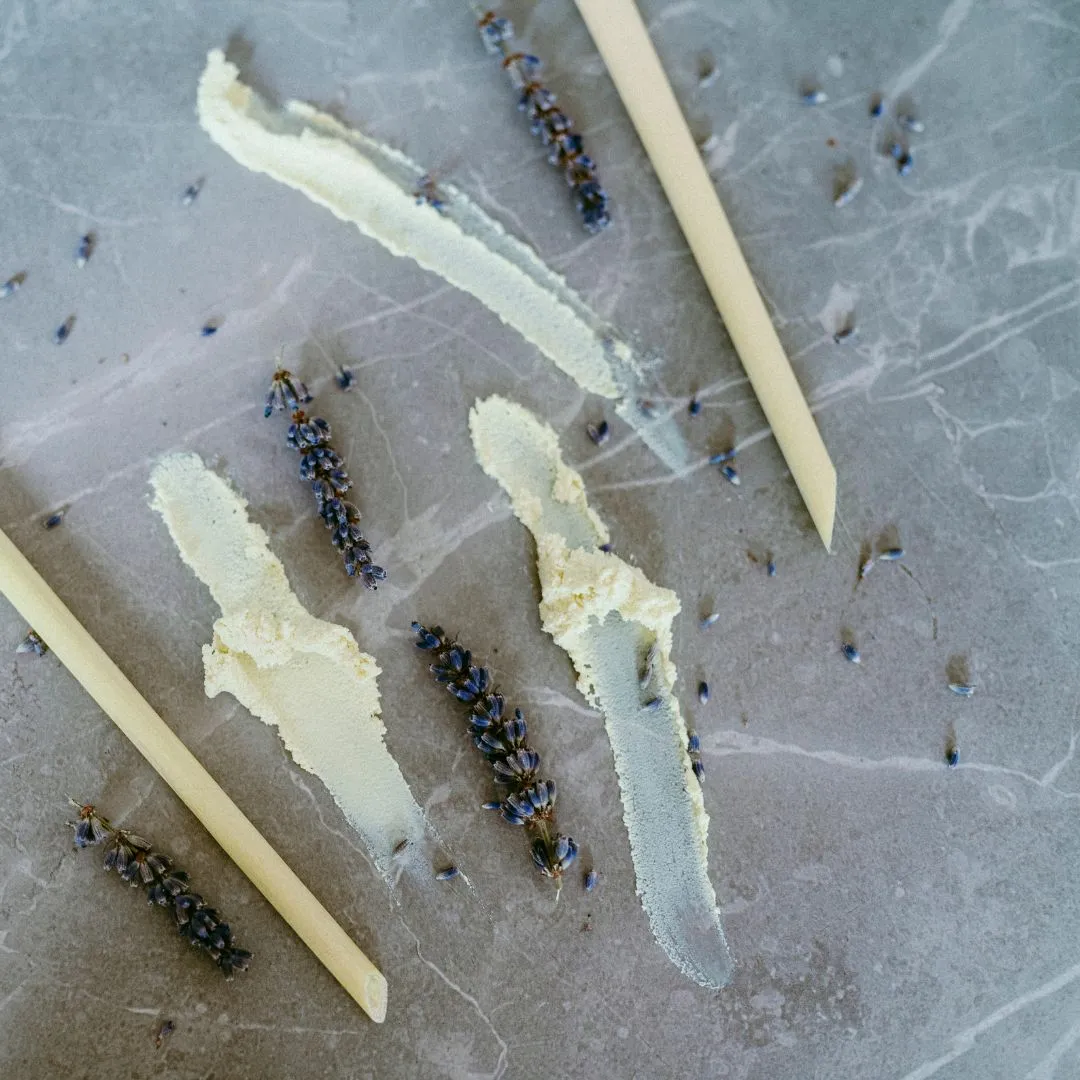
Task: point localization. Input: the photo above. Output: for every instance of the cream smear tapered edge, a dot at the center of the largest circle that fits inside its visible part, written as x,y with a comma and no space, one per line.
303,676
371,185
606,615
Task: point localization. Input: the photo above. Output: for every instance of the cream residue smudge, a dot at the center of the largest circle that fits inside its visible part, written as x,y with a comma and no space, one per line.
371,185
606,614
302,675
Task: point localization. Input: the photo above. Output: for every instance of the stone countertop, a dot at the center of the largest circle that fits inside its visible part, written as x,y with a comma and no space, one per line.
889,917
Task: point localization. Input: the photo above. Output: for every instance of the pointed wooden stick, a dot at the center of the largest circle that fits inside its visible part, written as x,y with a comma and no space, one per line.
177,766
631,60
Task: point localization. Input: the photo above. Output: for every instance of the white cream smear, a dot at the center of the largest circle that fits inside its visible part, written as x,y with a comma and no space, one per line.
299,674
606,614
371,185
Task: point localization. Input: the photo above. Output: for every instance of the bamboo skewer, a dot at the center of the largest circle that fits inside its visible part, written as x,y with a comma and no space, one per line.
623,41
178,767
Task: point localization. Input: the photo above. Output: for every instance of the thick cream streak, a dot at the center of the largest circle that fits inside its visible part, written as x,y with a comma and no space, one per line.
372,186
606,614
301,675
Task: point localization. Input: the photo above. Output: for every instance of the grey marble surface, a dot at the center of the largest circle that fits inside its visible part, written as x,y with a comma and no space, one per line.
890,918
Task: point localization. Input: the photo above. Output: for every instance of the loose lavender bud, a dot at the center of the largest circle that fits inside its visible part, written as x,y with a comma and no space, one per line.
32,643
12,285
598,433
952,753
427,193
63,331
85,250
845,188
846,330
648,668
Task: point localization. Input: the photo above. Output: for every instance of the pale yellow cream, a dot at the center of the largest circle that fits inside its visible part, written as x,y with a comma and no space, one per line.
301,675
607,614
372,186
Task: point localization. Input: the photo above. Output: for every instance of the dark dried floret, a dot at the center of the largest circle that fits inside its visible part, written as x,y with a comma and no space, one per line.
32,643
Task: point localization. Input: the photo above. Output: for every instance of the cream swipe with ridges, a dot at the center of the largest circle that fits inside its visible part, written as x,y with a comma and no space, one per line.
371,185
299,674
606,614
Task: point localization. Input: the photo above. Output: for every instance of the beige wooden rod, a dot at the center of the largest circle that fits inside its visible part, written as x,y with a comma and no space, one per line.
177,766
631,60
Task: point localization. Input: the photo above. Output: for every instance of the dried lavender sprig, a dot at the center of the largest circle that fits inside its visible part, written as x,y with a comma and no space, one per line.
323,466
551,124
138,864
501,739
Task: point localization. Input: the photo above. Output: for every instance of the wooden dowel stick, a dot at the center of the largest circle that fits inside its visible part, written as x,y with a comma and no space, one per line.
177,766
623,42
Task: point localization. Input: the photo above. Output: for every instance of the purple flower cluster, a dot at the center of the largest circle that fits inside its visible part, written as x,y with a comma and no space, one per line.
323,467
549,122
138,864
500,737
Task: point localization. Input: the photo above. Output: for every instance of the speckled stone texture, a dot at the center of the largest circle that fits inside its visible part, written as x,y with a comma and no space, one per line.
890,918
